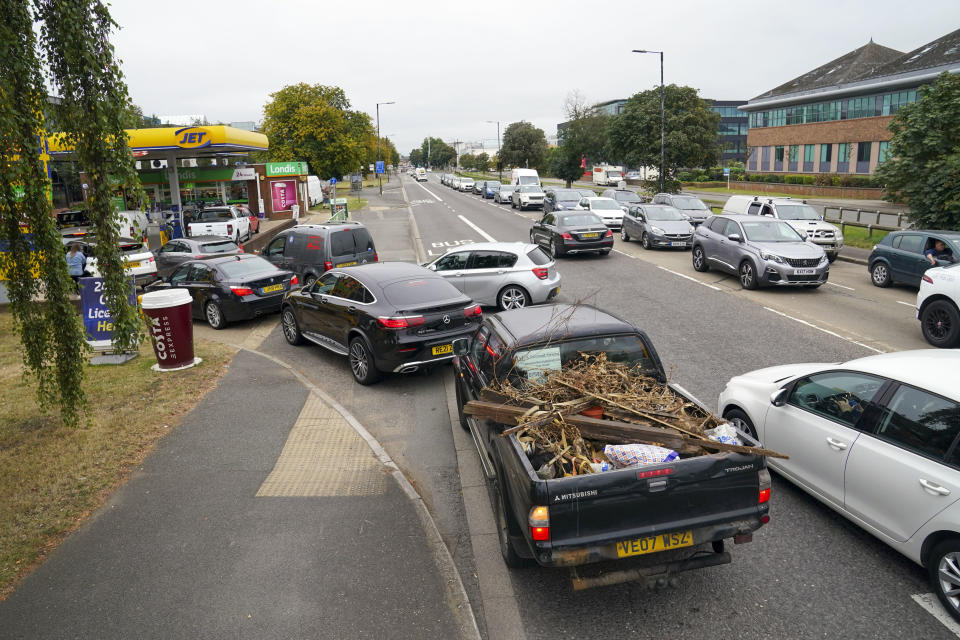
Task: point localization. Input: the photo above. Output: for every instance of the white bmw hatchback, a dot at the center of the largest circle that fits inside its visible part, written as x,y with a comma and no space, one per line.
875,439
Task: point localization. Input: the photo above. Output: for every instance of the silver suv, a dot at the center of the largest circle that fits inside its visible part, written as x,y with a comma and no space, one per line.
759,251
691,207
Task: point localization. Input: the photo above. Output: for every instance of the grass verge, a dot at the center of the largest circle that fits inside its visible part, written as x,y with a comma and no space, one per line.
55,476
857,237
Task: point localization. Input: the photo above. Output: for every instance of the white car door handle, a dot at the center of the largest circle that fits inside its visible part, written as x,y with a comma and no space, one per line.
836,444
934,488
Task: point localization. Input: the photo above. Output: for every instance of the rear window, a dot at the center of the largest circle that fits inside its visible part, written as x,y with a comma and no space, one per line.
243,268
218,247
420,291
362,240
579,220
341,243
536,362
538,257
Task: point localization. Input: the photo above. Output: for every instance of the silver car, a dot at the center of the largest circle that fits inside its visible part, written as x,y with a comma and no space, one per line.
691,207
759,251
509,275
656,225
465,184
504,195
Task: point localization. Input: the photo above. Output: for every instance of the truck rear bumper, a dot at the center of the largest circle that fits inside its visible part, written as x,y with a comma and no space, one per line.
658,575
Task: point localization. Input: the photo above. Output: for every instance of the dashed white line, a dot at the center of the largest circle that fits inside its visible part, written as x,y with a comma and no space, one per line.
439,199
827,331
932,606
683,275
624,254
483,233
909,304
834,284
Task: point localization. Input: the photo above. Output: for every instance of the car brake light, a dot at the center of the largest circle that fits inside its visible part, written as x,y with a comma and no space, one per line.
540,523
566,236
294,280
764,496
327,265
150,259
927,278
541,272
400,322
229,229
242,291
473,310
653,473
132,231
609,234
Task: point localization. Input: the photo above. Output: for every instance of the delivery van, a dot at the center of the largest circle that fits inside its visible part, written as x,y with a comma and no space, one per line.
520,177
607,175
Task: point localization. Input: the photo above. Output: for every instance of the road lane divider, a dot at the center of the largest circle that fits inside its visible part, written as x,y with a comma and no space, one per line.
912,305
439,199
692,279
834,284
932,606
486,236
827,331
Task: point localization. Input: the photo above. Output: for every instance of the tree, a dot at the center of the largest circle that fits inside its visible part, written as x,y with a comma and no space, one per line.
441,154
690,140
468,161
524,145
482,162
584,139
92,114
315,123
417,157
924,165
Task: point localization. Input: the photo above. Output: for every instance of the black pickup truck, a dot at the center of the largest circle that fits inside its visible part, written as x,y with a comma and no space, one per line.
653,521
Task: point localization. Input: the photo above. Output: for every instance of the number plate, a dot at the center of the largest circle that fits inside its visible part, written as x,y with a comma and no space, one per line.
589,236
272,288
347,264
653,544
678,244
804,272
132,265
439,350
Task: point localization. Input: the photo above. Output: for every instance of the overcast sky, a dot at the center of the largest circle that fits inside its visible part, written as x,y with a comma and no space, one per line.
450,66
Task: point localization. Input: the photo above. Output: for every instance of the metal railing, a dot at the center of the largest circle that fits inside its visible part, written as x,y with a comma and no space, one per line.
869,220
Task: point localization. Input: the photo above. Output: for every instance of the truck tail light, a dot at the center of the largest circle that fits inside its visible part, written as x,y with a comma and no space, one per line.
764,495
242,291
472,310
400,322
540,524
230,228
327,265
541,272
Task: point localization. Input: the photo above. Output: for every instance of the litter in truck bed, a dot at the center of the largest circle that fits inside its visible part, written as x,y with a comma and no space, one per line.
564,419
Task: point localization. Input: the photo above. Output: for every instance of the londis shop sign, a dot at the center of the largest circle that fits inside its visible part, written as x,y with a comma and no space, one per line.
192,138
285,169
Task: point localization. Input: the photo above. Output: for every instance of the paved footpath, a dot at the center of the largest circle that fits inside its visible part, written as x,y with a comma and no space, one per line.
267,513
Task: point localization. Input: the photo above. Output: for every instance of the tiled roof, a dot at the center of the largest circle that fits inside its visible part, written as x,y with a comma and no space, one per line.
941,51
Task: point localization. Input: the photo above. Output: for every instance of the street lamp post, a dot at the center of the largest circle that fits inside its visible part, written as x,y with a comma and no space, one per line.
662,121
499,159
379,178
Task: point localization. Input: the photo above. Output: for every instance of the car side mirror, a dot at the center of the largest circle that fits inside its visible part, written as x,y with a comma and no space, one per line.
735,237
461,346
432,267
779,397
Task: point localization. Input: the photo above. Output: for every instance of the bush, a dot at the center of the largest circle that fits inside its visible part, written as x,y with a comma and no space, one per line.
686,176
703,178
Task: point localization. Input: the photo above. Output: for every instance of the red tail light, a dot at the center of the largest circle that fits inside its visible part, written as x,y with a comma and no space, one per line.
400,322
541,272
566,236
927,278
132,231
376,257
473,310
609,234
229,228
327,265
539,522
239,249
242,291
294,280
764,496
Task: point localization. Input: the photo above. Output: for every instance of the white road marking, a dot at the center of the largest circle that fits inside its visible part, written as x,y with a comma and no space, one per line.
834,284
683,275
439,199
909,304
624,254
827,331
932,605
483,233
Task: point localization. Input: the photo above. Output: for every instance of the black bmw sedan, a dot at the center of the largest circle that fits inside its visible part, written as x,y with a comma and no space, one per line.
563,233
385,317
239,287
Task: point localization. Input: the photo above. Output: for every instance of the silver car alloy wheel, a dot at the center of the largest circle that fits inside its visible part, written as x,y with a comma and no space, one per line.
358,360
697,258
746,275
949,577
880,273
289,326
214,317
513,298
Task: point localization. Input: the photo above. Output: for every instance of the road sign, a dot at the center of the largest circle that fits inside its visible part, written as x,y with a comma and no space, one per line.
371,167
333,181
726,171
379,166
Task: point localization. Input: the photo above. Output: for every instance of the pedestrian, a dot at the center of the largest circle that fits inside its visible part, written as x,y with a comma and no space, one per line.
940,251
76,262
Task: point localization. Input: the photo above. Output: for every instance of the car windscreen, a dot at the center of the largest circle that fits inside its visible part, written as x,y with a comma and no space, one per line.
579,220
628,196
797,212
566,195
239,269
663,213
604,205
494,186
419,291
528,180
218,247
530,189
508,187
681,202
770,232
466,180
536,362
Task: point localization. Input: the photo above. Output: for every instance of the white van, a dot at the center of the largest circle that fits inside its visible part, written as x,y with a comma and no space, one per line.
797,213
133,225
607,175
521,177
421,175
314,190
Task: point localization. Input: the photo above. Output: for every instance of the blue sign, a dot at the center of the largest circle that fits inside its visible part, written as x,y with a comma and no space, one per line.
333,181
96,315
726,171
380,166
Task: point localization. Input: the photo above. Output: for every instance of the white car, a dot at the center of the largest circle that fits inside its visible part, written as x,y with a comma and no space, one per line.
465,184
875,439
607,209
938,306
138,260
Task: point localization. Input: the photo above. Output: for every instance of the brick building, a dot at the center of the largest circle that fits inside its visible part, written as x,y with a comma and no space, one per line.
834,118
